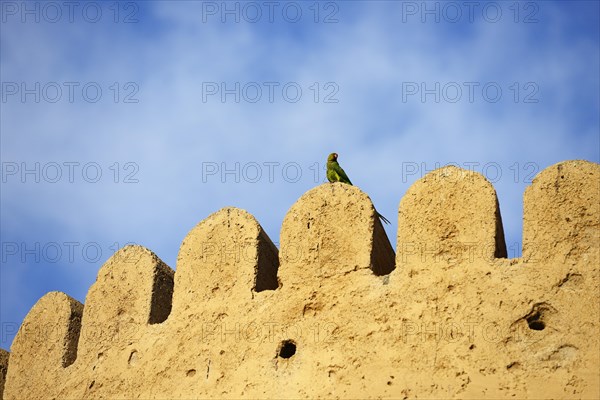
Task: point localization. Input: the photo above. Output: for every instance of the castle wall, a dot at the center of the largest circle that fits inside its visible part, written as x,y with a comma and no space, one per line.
335,313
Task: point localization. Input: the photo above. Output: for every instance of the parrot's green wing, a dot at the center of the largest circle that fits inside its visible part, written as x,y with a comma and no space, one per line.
335,173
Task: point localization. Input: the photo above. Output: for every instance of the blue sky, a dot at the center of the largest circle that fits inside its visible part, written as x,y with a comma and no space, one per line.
396,88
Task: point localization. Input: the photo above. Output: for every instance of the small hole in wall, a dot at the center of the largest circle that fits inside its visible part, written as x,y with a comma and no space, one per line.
514,364
287,349
190,373
535,322
133,357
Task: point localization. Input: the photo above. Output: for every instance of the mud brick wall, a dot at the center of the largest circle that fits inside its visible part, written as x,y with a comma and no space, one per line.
335,312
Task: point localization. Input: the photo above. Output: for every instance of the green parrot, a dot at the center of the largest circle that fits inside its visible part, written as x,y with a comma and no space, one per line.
335,173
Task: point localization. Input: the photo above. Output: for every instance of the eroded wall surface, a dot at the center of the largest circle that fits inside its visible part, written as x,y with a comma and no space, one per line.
334,312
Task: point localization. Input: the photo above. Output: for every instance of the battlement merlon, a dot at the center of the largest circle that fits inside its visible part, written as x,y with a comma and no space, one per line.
228,252
331,230
44,346
449,216
561,213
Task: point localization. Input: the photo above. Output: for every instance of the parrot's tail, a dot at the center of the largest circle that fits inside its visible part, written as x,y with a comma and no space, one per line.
384,219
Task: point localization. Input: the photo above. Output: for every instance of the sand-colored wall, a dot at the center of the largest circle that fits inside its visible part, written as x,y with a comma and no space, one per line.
335,313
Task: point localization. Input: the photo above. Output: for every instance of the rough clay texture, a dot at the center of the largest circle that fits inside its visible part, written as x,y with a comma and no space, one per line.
335,313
